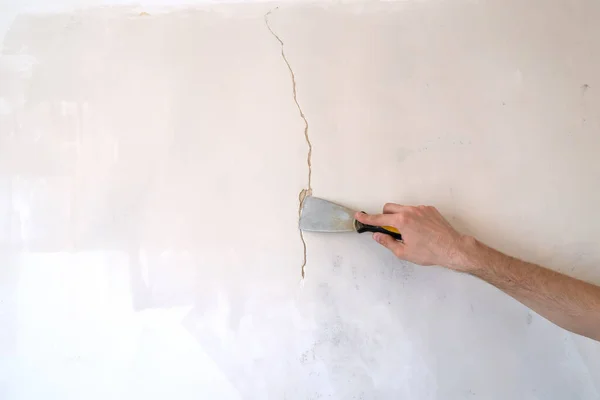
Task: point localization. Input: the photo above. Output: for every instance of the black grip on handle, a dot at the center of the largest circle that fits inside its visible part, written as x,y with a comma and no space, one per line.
360,228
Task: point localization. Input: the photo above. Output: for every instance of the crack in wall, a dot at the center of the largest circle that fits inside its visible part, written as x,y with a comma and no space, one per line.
304,193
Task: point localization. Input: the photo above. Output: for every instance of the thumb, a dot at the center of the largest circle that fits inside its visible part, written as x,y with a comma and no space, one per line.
389,242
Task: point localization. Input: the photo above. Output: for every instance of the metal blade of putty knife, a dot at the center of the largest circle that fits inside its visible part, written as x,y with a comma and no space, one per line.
319,215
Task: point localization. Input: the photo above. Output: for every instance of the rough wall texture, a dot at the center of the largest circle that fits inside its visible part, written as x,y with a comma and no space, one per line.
150,165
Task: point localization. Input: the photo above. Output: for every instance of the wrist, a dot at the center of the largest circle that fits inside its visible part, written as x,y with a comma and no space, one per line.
463,258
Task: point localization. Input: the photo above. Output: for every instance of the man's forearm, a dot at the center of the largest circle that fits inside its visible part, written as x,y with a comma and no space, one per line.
568,302
428,239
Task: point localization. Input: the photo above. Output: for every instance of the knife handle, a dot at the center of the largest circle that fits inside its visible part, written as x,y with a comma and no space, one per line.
388,230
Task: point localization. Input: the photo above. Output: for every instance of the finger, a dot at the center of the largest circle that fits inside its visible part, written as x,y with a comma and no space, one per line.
391,208
375,219
390,243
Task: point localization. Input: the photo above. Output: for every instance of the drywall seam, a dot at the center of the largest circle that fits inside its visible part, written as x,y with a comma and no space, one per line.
308,190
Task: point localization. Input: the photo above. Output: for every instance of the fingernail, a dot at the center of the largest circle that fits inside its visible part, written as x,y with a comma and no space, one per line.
377,236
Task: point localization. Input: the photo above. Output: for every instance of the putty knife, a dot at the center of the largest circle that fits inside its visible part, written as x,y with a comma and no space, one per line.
319,215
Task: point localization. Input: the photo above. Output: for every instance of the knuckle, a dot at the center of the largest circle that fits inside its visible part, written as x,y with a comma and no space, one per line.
401,217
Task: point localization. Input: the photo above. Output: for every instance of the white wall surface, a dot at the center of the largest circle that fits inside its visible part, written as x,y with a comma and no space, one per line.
149,175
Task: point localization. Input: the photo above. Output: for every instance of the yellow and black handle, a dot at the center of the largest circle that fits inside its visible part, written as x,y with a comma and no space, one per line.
388,230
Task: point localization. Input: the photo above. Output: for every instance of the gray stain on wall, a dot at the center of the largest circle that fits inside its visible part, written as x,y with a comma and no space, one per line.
402,154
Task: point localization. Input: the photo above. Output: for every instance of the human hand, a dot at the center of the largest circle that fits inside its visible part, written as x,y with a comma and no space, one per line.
428,239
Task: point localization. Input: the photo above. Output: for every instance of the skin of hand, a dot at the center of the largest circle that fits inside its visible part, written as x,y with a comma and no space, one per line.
428,239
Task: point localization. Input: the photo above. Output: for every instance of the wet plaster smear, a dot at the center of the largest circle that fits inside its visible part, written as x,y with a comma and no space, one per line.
151,160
